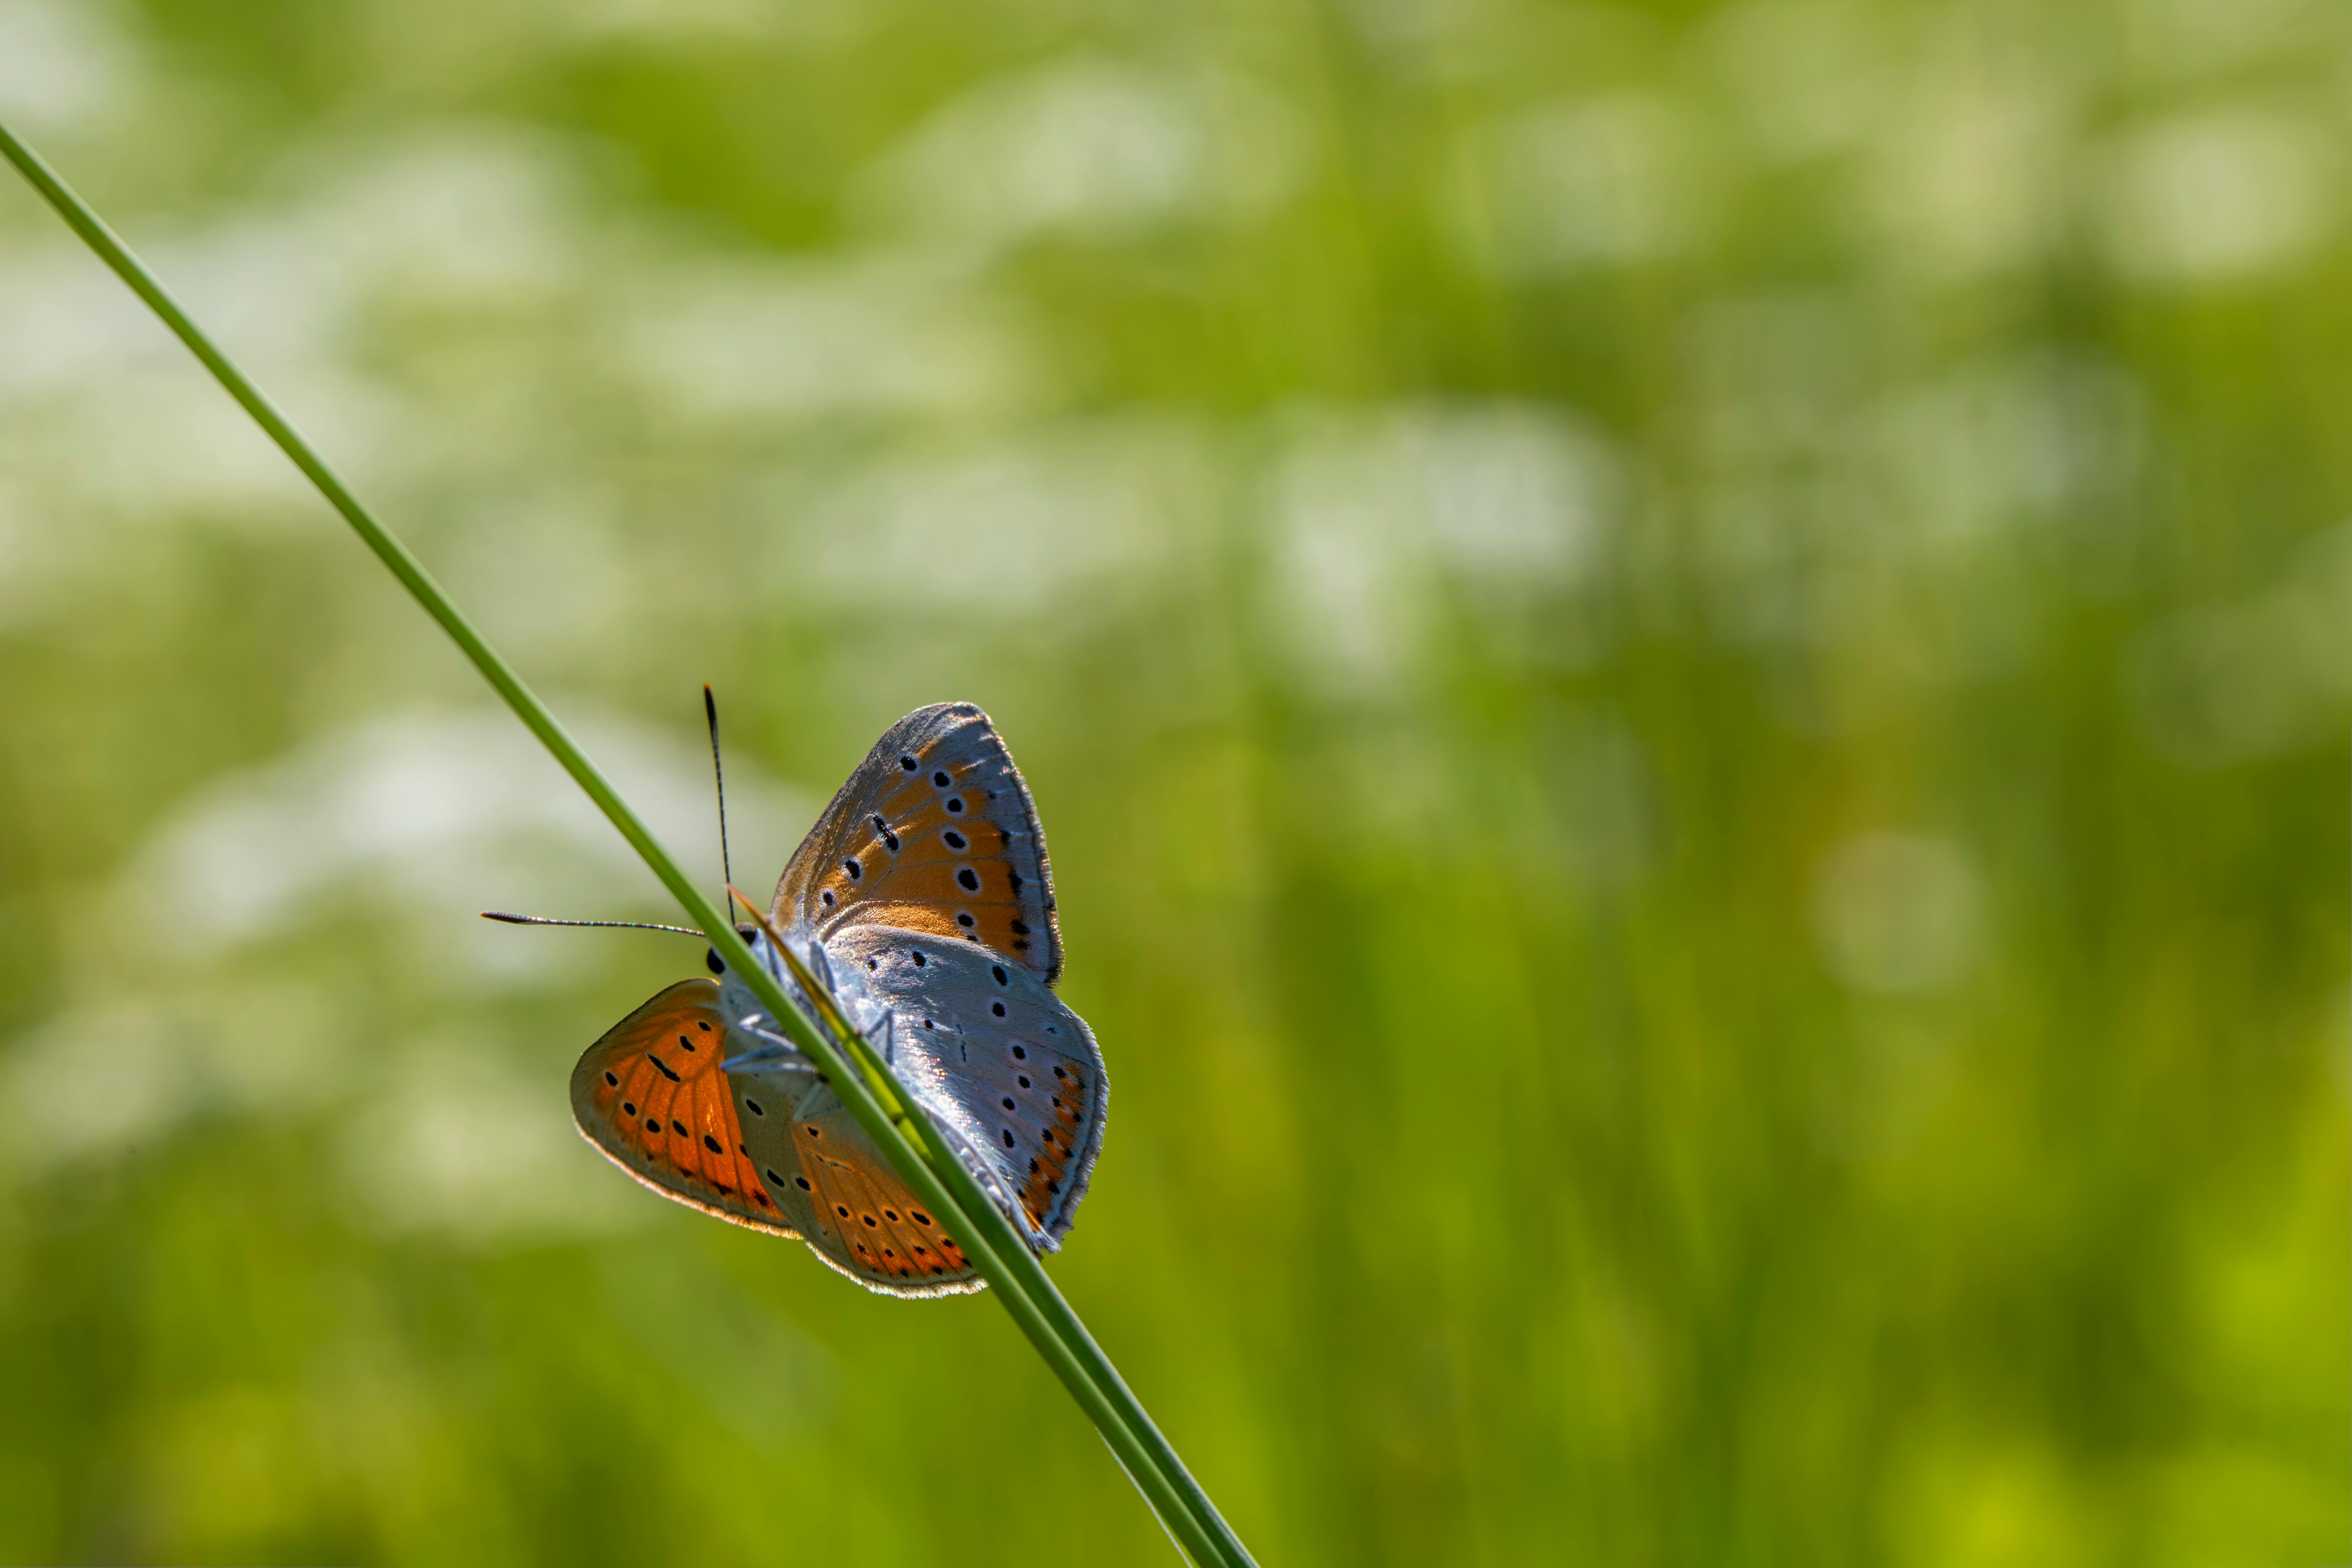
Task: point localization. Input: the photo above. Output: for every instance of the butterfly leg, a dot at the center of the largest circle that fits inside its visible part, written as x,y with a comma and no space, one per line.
773,1053
776,1054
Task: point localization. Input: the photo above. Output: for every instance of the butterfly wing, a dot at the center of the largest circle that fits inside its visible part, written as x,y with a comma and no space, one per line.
764,1106
865,1223
653,1098
995,1057
929,872
775,1152
934,833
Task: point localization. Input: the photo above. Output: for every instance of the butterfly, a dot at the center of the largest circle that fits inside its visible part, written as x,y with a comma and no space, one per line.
923,901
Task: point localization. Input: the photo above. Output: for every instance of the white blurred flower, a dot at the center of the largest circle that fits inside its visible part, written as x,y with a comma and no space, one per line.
1601,181
459,1144
1371,513
1090,148
1972,176
63,67
440,812
2192,37
95,1080
2257,673
2221,193
1003,530
2038,436
778,341
1897,913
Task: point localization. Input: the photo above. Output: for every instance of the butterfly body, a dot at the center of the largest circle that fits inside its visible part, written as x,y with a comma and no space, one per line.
923,901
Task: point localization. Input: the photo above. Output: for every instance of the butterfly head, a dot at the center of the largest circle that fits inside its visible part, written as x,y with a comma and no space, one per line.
735,998
754,939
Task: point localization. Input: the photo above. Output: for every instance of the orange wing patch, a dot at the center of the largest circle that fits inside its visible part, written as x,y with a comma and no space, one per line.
652,1097
1049,1168
869,1226
935,832
951,875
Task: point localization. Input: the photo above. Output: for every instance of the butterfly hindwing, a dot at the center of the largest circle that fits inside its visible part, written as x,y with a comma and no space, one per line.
866,1223
935,833
764,1103
652,1097
775,1152
993,1055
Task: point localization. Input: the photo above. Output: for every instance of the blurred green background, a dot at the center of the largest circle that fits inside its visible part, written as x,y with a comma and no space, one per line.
1687,667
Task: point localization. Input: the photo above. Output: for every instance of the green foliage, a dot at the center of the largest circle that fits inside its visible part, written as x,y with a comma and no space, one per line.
1683,664
935,1173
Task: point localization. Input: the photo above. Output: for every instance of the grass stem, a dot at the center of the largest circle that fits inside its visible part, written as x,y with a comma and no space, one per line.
990,1239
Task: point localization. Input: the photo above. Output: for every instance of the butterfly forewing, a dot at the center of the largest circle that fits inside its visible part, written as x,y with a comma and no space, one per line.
934,833
992,1054
652,1097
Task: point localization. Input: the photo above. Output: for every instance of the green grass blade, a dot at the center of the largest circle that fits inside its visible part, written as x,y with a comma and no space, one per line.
990,1240
1015,1258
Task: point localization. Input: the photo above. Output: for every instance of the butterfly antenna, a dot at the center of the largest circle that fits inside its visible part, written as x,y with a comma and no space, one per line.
719,777
607,925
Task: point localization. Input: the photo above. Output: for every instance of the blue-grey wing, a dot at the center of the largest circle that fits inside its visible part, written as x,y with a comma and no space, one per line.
998,1061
